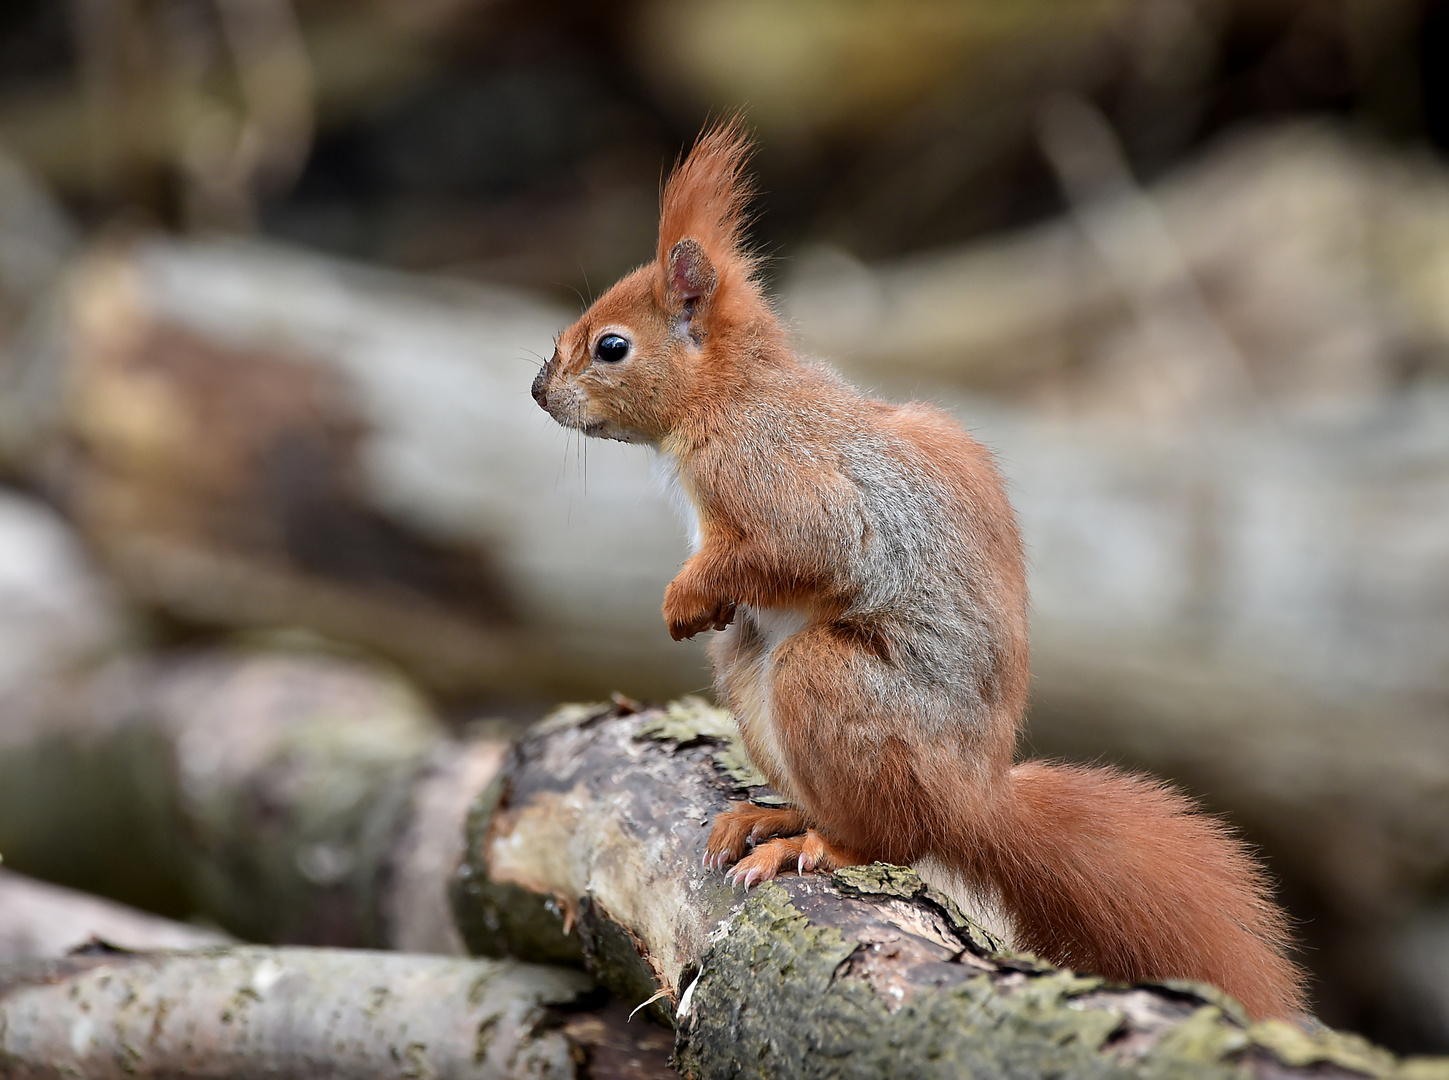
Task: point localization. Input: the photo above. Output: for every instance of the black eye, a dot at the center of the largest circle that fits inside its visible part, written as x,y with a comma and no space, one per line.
611,348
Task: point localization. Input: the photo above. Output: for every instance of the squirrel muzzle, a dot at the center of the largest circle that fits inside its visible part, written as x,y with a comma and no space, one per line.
540,381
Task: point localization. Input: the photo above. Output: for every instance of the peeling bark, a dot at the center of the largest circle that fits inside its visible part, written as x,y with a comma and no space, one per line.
589,844
310,1014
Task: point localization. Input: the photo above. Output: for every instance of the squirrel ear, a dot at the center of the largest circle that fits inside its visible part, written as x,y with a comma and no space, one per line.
691,275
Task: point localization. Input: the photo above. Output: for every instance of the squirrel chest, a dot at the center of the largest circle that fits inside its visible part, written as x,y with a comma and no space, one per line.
743,655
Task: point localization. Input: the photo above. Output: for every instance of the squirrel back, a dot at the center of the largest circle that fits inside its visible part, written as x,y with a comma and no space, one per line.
863,571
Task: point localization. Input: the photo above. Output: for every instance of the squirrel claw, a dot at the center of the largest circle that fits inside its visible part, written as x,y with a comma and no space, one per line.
743,826
804,854
724,615
749,878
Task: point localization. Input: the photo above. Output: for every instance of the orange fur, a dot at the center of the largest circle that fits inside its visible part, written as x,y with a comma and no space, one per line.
864,573
706,199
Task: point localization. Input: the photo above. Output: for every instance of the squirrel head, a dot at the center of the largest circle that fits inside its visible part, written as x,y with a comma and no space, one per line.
667,342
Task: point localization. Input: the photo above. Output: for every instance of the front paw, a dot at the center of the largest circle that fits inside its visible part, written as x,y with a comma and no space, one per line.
687,613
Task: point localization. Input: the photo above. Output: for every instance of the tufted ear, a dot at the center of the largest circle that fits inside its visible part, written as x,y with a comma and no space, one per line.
692,277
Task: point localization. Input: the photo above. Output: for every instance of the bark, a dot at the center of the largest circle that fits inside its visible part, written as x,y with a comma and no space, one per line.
589,845
250,1012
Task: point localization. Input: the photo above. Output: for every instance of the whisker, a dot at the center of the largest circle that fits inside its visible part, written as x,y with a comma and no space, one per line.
574,289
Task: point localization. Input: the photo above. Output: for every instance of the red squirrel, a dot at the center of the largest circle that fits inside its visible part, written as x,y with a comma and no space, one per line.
864,571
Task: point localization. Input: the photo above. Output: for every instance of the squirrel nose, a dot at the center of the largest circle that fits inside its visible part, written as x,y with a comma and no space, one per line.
540,391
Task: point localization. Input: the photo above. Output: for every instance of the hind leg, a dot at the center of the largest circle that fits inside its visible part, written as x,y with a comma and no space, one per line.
743,824
802,854
864,746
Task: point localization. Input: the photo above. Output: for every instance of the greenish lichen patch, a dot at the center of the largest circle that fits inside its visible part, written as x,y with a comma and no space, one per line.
772,1001
691,721
882,879
688,721
732,760
1293,1046
1207,1037
1058,986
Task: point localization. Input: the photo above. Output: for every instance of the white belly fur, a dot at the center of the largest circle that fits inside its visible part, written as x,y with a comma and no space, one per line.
753,688
666,475
756,691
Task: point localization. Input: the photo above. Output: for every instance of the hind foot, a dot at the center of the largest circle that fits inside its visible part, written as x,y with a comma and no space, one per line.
744,824
800,854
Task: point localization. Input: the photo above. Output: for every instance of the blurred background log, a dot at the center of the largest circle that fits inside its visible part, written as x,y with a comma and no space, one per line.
1318,255
286,797
299,1014
41,921
57,611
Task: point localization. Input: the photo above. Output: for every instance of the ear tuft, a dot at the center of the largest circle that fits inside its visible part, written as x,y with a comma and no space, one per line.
701,252
691,275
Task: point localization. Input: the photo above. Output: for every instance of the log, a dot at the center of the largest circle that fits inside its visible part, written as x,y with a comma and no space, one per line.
590,843
297,786
1278,229
300,1014
38,920
57,612
288,797
369,471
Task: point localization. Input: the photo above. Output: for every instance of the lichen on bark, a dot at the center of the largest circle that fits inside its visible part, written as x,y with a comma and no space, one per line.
252,1012
780,995
604,814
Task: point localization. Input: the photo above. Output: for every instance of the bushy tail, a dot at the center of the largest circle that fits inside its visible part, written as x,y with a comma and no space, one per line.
1117,874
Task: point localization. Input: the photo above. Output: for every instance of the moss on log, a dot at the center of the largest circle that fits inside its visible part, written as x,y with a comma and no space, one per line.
589,844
